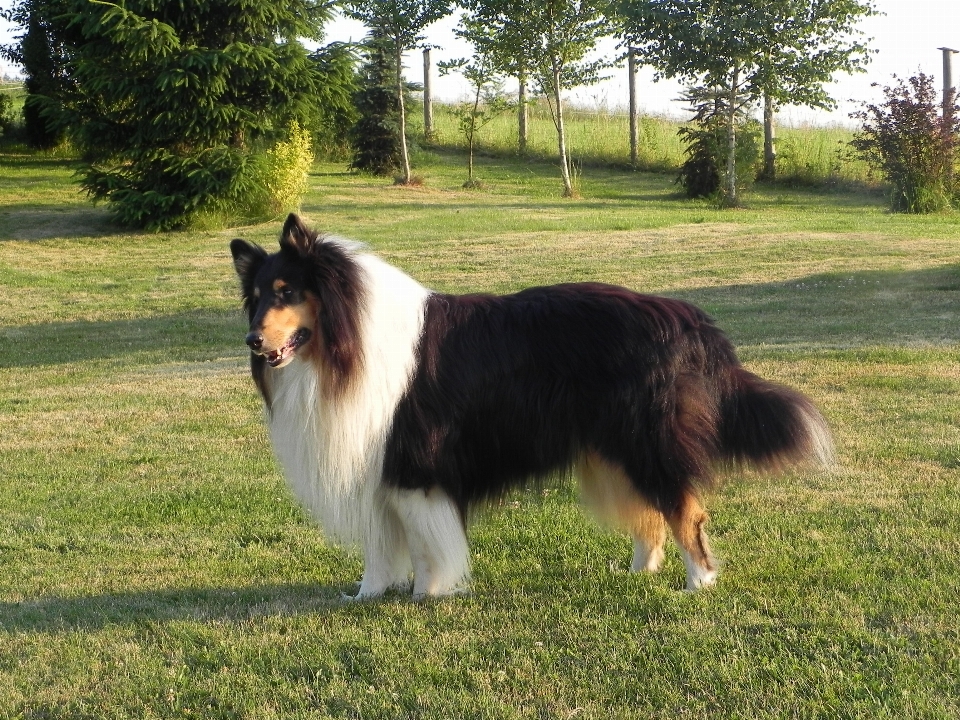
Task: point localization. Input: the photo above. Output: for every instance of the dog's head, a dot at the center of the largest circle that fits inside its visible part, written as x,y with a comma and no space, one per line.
303,301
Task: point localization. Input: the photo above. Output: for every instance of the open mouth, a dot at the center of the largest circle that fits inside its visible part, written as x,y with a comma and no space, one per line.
277,357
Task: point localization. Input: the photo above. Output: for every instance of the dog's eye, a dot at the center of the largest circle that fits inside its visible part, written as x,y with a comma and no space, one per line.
286,294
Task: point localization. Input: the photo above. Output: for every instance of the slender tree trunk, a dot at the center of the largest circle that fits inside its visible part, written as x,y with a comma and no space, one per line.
731,179
470,136
561,135
769,140
404,155
522,115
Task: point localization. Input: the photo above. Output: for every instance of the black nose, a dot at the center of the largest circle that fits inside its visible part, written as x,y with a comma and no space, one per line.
255,341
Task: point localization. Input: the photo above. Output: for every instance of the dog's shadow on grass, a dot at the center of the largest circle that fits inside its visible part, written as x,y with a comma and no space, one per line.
220,604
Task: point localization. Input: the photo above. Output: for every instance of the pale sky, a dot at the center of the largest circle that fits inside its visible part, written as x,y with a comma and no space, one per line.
907,36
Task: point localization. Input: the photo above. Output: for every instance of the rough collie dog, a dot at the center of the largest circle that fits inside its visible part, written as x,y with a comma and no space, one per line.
394,409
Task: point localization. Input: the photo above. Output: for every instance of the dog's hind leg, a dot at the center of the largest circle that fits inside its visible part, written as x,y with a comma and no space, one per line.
649,534
437,541
609,493
687,522
386,554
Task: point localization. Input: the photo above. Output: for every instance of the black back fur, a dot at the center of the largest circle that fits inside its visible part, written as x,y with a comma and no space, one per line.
519,386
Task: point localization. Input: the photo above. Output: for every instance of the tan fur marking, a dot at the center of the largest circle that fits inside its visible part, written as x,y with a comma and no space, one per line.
688,523
280,324
279,284
608,492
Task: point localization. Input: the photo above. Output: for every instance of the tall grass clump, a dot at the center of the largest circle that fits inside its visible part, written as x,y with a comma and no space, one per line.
813,155
911,144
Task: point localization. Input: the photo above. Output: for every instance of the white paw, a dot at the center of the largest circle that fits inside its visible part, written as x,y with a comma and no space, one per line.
700,579
647,561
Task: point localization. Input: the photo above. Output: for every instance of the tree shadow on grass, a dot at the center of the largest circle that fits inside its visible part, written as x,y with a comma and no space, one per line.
829,311
32,222
226,604
841,310
193,335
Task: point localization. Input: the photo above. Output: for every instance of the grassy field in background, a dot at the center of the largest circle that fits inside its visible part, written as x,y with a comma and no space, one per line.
153,565
806,155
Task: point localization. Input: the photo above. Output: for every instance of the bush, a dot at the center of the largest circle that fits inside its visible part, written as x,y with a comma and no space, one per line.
280,179
907,140
6,113
701,174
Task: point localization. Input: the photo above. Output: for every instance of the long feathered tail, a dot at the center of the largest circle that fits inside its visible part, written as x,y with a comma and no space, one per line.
770,426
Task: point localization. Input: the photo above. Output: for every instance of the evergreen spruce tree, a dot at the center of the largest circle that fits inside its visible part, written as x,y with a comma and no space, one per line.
336,65
375,137
174,105
403,22
705,139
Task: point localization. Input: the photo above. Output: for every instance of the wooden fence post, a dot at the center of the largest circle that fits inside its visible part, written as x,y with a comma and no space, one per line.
427,98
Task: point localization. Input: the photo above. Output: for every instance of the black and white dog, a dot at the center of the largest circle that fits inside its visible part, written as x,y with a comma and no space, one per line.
394,409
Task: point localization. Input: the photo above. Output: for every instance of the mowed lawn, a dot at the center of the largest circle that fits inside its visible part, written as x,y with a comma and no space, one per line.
153,565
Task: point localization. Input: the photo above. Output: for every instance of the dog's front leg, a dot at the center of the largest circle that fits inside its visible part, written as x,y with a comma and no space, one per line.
386,555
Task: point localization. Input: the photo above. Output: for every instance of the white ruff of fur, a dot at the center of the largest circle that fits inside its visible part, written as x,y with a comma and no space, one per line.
332,452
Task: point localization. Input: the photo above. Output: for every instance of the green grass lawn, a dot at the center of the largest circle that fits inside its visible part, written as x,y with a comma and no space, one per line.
153,565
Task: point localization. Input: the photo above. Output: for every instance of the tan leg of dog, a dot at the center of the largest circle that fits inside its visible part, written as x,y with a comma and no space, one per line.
649,534
688,523
609,493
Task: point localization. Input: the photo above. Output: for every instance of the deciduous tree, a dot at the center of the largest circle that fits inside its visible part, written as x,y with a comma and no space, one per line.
788,49
403,22
485,105
552,39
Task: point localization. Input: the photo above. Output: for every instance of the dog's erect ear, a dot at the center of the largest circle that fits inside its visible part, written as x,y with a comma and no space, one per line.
297,236
247,258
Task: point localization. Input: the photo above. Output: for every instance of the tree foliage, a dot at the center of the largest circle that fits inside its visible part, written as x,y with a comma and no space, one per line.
403,22
175,105
486,104
549,39
705,138
908,140
375,136
333,106
786,48
42,50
